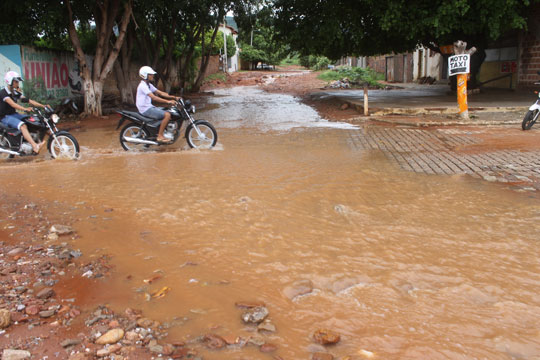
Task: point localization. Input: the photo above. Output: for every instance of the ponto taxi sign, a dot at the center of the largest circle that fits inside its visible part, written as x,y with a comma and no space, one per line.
459,64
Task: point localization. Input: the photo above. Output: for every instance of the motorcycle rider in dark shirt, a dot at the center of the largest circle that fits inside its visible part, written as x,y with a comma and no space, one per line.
9,96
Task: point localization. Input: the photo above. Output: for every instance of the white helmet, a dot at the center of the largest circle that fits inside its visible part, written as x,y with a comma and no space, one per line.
145,71
12,75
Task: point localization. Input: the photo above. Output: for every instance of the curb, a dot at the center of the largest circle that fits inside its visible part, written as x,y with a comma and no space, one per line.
440,123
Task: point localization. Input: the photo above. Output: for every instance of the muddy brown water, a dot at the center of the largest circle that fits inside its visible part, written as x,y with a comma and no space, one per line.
402,265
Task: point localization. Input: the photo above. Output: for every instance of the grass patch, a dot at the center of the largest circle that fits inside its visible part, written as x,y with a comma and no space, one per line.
217,76
357,76
291,60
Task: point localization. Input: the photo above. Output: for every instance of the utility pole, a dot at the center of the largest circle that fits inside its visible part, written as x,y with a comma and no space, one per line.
225,65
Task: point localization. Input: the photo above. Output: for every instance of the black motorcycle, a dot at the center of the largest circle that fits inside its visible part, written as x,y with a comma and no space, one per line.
141,132
532,115
61,144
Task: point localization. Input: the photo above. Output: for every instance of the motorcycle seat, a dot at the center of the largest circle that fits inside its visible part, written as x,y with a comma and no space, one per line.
136,115
11,131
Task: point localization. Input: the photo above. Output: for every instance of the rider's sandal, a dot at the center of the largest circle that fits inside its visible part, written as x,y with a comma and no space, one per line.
165,141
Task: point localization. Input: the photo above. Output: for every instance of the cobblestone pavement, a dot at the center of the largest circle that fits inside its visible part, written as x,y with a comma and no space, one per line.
432,152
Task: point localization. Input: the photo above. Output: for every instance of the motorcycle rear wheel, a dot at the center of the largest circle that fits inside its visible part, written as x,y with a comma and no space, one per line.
530,119
134,131
4,143
208,136
65,146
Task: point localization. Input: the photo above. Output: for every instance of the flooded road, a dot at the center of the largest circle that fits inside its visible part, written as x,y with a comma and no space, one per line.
402,265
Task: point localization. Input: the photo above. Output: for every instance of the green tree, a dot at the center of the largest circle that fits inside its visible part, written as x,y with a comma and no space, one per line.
372,27
262,43
108,15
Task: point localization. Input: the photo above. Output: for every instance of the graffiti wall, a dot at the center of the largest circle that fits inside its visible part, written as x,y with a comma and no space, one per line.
54,72
10,60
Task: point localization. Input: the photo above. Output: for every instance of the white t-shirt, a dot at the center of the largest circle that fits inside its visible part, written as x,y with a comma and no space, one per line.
143,100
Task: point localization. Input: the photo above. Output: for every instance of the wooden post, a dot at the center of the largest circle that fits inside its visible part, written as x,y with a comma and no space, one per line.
366,109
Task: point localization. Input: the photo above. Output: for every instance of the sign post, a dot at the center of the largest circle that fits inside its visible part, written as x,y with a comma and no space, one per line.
460,65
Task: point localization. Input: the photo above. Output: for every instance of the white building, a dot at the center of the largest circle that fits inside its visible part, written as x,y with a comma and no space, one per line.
230,28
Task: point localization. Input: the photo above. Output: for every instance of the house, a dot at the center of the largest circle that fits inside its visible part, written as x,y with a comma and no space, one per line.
229,27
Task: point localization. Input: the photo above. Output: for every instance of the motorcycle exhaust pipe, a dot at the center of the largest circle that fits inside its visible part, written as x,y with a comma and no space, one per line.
139,141
9,152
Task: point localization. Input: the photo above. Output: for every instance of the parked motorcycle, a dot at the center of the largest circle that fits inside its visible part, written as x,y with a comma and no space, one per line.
141,132
40,123
532,115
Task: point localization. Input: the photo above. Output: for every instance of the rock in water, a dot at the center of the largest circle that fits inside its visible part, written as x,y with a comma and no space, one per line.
5,318
326,337
110,337
255,315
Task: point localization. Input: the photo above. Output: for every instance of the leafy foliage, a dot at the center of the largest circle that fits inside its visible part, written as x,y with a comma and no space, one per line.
355,75
314,62
371,27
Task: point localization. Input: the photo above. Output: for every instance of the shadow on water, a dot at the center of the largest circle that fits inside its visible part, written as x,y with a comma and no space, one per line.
401,265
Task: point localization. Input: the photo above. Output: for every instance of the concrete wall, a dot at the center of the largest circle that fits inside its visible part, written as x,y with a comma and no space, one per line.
427,63
500,62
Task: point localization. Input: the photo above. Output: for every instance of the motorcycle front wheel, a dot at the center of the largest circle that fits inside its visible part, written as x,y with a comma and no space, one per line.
64,146
530,118
135,132
204,139
4,143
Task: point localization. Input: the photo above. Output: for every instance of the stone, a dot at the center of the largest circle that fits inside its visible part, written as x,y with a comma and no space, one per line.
110,337
255,315
70,342
15,251
268,348
78,356
256,340
45,293
326,337
46,314
32,309
132,336
345,106
158,349
144,322
266,326
298,288
213,341
322,356
249,304
5,318
167,349
11,354
61,229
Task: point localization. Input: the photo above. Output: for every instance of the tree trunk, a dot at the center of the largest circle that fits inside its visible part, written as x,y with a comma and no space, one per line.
124,84
105,56
92,98
122,68
205,59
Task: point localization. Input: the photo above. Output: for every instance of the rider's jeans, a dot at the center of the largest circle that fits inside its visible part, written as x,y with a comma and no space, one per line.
155,113
13,121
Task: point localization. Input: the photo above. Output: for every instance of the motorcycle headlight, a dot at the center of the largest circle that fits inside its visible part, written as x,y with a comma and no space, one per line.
193,109
55,118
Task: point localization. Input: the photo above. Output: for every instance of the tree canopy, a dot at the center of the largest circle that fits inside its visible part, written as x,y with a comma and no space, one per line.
371,27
